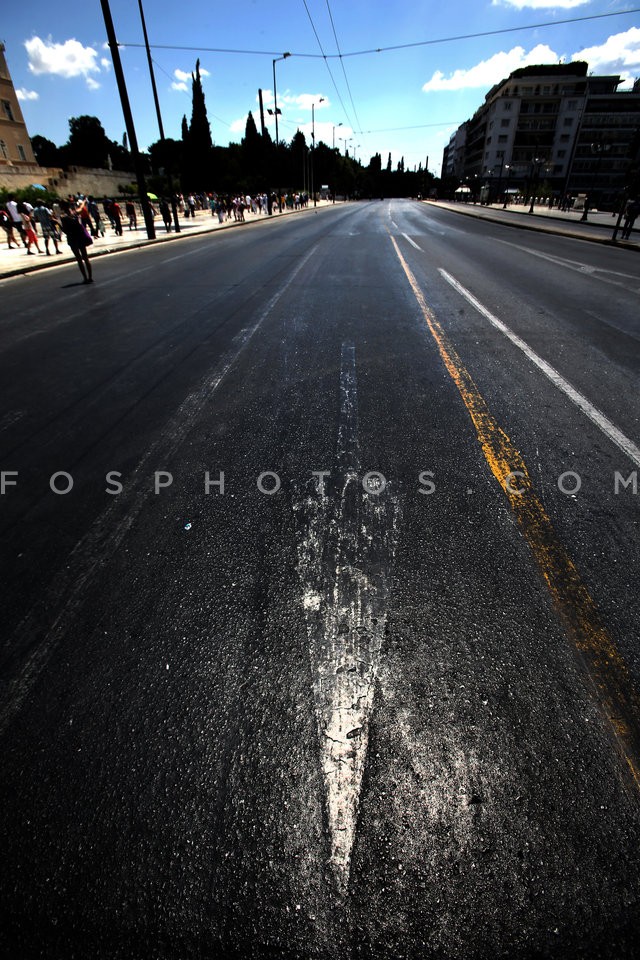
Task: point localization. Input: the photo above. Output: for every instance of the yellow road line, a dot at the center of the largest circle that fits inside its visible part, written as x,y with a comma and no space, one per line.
605,666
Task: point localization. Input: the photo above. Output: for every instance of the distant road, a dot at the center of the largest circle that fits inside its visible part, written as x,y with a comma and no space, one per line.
319,589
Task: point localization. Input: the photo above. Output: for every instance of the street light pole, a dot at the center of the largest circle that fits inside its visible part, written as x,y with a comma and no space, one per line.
313,148
334,133
275,110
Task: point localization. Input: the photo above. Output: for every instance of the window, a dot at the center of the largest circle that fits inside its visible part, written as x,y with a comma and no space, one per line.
502,138
572,105
561,154
6,106
505,123
564,138
568,121
21,153
508,105
3,150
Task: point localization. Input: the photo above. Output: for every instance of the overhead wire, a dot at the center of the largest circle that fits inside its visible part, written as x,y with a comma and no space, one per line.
324,56
399,46
346,80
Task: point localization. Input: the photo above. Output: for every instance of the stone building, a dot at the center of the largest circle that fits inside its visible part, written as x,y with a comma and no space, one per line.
15,145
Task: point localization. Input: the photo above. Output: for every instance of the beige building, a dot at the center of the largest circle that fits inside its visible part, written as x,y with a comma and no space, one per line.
15,145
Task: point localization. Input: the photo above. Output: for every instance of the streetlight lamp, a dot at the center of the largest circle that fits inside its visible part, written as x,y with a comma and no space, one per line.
313,147
334,133
275,110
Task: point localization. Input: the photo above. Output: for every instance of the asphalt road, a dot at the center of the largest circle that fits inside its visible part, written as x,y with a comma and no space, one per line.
375,693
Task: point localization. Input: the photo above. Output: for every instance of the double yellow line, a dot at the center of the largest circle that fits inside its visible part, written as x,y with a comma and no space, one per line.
605,667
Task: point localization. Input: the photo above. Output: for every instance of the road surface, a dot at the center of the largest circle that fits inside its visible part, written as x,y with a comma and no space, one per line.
319,589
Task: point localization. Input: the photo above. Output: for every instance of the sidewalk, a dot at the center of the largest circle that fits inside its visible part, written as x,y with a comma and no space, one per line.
17,262
598,228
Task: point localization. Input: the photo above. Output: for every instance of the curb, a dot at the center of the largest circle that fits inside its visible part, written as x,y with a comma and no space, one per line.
540,227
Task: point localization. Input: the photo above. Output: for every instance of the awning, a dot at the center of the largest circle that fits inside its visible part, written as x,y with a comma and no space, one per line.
463,190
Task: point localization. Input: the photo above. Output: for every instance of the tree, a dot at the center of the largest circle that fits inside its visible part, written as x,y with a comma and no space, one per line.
252,151
88,144
198,143
389,163
46,152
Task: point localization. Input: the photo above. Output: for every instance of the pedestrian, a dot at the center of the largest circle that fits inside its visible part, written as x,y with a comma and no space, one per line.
85,216
7,224
631,211
44,217
13,209
31,237
130,209
585,210
94,210
116,213
165,213
106,206
77,238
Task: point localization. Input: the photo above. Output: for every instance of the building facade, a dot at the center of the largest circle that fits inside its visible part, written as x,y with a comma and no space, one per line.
550,130
15,145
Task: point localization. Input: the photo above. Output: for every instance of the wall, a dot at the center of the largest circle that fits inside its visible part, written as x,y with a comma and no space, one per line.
99,183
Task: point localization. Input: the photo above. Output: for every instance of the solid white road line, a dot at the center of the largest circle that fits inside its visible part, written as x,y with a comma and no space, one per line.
413,244
609,429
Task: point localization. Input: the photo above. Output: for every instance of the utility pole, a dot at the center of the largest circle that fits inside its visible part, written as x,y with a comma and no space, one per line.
172,196
128,118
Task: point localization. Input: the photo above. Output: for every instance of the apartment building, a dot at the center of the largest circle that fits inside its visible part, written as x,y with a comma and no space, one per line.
549,129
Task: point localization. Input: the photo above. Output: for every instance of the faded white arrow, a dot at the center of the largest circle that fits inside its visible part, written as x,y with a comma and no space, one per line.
345,556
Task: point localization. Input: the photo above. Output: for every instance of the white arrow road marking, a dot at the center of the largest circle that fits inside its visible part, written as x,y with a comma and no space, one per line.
345,557
576,265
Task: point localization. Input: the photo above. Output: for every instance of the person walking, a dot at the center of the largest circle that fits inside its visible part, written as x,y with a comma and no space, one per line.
165,213
631,211
31,237
77,238
44,217
7,224
585,210
16,217
130,209
116,213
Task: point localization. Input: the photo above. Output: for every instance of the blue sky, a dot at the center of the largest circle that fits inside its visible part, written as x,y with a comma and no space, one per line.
406,101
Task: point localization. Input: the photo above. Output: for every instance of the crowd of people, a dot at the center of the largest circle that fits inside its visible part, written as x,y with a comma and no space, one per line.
83,219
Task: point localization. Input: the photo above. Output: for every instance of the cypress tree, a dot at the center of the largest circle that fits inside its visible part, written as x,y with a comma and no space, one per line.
198,143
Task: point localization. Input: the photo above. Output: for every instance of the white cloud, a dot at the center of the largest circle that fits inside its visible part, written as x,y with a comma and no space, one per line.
488,72
105,64
302,101
540,4
620,53
184,76
69,59
23,94
179,86
238,126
